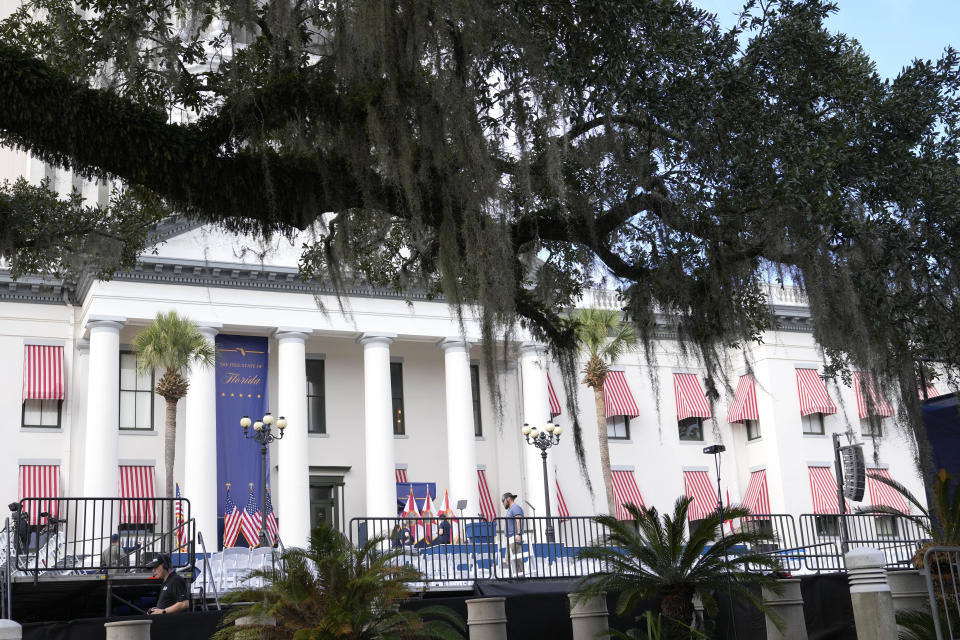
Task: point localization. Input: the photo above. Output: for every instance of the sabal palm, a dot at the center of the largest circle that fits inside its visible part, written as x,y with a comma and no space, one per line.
652,556
941,522
334,591
603,339
172,344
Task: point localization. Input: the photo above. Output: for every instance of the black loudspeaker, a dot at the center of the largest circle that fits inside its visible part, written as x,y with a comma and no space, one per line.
854,472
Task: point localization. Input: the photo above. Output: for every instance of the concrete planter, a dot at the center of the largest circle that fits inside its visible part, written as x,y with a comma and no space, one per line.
487,618
589,618
128,630
788,605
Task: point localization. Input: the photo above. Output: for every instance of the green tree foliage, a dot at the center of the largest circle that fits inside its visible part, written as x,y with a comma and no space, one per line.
334,591
651,556
173,345
510,155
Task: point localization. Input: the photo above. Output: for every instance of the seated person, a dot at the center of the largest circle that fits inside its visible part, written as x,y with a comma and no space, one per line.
113,558
443,530
174,595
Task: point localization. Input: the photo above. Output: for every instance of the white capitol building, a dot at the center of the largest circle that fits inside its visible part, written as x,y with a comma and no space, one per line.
392,389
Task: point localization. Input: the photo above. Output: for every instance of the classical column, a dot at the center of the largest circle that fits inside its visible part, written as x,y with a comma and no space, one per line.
293,473
100,471
200,446
536,413
378,426
461,442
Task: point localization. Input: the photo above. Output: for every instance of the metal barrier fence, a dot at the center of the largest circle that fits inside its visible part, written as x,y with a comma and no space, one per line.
783,543
468,549
941,569
71,536
898,538
473,548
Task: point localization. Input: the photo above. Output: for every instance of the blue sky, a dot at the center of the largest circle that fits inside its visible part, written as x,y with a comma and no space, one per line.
892,32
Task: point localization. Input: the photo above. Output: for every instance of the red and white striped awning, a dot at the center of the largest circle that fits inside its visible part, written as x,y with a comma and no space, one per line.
42,372
932,391
487,506
617,399
555,409
813,393
137,488
696,485
401,475
883,495
562,510
744,405
626,491
691,401
39,481
757,498
823,488
869,400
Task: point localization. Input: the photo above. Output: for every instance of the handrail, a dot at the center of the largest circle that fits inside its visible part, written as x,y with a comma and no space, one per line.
206,571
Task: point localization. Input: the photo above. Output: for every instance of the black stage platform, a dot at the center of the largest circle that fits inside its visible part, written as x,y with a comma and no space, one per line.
62,598
182,626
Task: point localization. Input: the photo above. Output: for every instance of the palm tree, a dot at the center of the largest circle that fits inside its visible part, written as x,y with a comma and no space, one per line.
650,556
334,591
603,339
174,345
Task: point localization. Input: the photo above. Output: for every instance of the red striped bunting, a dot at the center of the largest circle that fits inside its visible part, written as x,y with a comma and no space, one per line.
696,485
883,495
617,398
823,488
487,508
39,481
869,400
562,510
691,401
744,405
137,490
626,491
757,497
555,409
401,475
42,372
813,394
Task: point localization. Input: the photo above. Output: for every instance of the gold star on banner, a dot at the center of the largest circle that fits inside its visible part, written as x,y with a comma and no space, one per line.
258,395
249,395
232,395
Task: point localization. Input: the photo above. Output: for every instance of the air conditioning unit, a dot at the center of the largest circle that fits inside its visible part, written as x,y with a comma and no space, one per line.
854,472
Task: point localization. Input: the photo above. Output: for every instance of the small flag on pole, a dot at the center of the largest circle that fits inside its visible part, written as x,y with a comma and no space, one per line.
181,525
231,521
273,528
428,515
251,520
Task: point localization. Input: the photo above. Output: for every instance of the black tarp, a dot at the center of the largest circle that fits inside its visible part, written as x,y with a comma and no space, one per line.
827,609
182,626
941,416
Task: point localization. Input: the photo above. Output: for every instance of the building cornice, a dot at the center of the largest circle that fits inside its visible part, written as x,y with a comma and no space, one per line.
792,318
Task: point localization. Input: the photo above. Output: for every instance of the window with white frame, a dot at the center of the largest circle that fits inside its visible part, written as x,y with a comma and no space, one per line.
813,424
136,394
618,428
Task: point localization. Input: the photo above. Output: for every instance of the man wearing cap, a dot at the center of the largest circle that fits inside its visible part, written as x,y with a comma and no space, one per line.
174,596
514,530
113,559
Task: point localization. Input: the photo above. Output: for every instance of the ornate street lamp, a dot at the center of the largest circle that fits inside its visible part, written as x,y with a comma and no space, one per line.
264,434
543,440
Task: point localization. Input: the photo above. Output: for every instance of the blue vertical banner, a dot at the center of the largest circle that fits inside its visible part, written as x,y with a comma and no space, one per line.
241,391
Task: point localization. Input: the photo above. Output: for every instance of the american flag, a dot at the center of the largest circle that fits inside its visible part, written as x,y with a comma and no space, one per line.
273,528
181,527
231,521
251,520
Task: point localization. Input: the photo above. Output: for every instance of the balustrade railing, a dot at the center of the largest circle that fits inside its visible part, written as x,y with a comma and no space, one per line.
71,536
